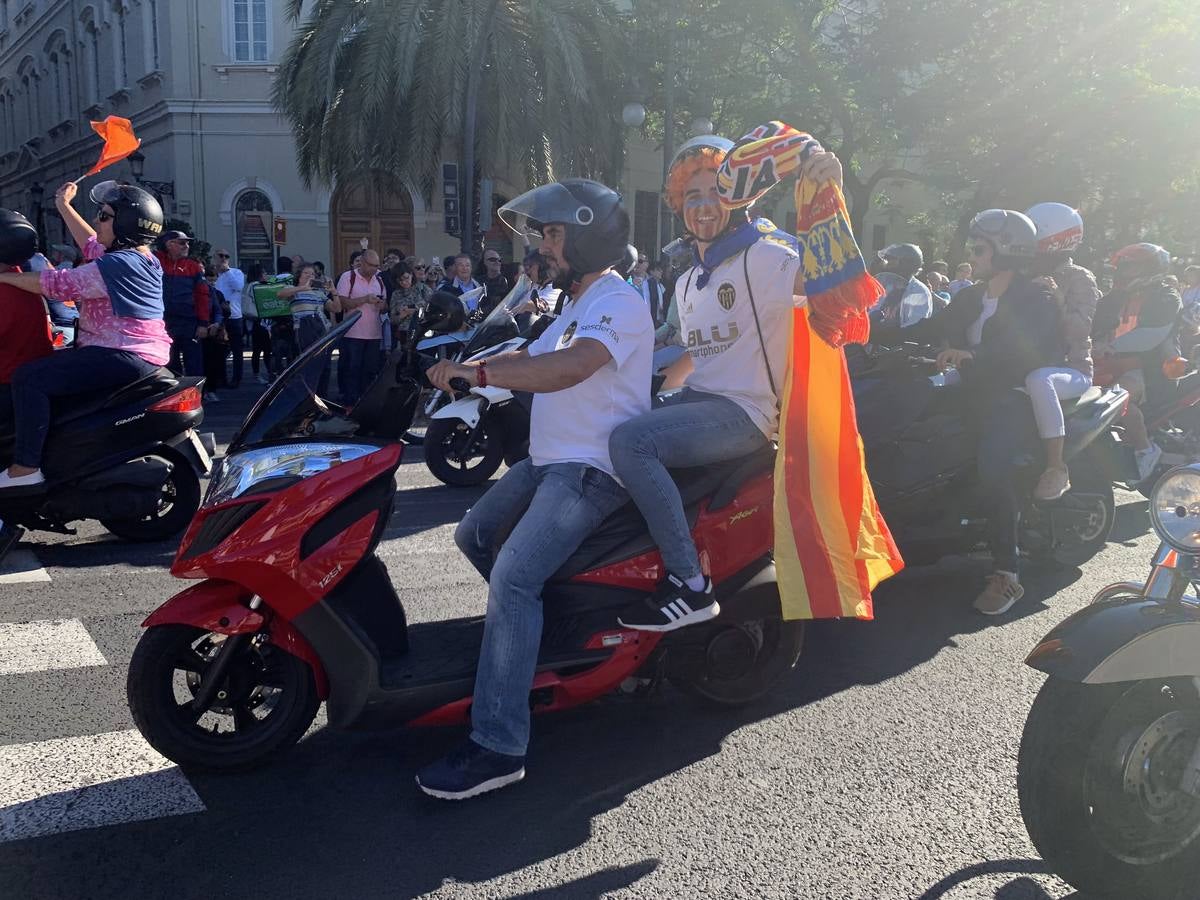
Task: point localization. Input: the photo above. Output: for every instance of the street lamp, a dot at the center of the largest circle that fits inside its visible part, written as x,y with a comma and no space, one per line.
633,115
137,165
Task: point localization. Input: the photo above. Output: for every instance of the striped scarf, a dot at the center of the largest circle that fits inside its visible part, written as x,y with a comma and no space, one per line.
832,546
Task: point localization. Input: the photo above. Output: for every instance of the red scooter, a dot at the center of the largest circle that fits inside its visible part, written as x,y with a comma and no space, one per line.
296,608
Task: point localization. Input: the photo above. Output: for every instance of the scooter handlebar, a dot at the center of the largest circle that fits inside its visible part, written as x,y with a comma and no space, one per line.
460,385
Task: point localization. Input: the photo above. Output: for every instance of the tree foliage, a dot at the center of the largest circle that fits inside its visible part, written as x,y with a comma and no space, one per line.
1095,104
378,86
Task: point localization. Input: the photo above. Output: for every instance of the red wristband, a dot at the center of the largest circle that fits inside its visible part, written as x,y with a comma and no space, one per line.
481,373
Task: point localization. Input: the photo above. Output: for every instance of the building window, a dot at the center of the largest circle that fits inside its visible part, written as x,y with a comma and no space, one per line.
250,30
122,48
253,219
645,223
94,53
152,11
878,237
3,15
5,134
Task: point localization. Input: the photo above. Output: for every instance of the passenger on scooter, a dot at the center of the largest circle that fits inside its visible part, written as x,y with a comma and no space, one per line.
24,327
1135,333
1060,230
122,336
729,407
909,301
589,371
999,331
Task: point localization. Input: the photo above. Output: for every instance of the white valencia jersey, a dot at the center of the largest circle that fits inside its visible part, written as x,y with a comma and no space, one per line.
718,329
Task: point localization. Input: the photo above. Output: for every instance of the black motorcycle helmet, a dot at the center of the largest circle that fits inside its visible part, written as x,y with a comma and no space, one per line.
18,239
597,225
138,216
445,313
905,260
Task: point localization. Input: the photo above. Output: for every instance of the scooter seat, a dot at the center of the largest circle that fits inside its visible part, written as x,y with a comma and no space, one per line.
623,535
1087,398
68,409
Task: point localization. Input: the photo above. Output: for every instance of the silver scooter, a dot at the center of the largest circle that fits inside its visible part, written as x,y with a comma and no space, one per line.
1109,767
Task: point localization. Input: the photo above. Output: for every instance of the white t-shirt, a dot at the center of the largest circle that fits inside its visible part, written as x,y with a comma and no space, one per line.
573,425
231,283
975,331
718,330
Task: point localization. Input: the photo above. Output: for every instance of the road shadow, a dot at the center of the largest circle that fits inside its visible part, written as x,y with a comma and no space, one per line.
1021,888
1132,522
340,815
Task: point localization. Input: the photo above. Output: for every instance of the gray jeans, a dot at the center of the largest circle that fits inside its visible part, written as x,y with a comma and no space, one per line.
689,429
550,510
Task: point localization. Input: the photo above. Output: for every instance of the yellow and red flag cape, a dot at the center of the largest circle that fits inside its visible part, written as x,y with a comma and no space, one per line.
832,546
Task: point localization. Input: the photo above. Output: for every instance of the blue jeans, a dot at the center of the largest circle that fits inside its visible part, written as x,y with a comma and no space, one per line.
550,510
689,429
358,365
80,370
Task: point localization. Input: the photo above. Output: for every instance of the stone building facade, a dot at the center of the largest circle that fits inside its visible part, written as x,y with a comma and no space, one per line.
195,78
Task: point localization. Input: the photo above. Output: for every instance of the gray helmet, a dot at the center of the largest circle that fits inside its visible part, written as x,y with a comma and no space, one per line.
1012,236
905,259
596,222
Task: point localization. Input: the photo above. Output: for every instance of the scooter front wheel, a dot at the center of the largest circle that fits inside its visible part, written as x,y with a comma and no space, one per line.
452,461
738,663
264,703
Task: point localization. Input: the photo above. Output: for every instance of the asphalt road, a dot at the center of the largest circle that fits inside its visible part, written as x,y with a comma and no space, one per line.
884,768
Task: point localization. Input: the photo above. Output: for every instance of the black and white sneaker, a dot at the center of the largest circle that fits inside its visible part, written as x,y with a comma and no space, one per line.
9,535
673,605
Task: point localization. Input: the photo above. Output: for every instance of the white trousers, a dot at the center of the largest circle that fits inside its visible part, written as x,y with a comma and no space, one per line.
1046,387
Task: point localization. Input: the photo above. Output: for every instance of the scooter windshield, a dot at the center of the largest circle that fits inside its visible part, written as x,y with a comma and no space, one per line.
292,407
499,320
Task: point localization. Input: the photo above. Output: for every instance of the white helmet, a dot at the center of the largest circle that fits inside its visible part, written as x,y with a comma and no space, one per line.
1059,227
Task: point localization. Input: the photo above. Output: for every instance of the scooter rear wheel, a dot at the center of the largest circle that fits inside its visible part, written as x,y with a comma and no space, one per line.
264,705
177,504
739,663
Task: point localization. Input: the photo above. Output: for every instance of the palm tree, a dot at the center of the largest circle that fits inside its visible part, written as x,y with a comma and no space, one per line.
381,86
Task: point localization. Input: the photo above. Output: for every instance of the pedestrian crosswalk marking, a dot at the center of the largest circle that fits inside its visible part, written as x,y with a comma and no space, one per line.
21,567
68,784
50,644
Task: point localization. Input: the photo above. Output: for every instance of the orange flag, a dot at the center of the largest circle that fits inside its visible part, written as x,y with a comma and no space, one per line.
119,142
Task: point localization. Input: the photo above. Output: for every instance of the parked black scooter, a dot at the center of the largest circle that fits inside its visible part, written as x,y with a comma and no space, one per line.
130,458
920,452
1109,768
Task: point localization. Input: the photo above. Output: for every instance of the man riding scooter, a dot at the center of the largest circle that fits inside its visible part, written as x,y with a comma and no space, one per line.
589,372
909,301
1134,333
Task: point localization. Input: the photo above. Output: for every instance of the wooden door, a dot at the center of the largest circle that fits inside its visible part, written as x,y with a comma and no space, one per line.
360,209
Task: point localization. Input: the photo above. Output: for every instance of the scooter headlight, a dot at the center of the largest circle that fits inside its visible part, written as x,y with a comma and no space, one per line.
238,474
1175,509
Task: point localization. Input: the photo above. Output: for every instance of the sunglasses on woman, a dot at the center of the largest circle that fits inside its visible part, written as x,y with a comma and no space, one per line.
103,216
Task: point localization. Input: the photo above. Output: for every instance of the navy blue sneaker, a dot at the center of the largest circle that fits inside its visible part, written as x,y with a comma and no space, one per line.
469,771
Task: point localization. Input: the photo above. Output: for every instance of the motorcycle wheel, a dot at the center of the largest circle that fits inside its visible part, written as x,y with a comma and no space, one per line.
270,699
1085,541
1098,779
177,504
444,440
737,664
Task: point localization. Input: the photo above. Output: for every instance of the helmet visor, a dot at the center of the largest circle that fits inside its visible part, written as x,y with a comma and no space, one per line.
550,203
106,192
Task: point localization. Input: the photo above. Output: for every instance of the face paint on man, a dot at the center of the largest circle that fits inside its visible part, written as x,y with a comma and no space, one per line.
703,213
